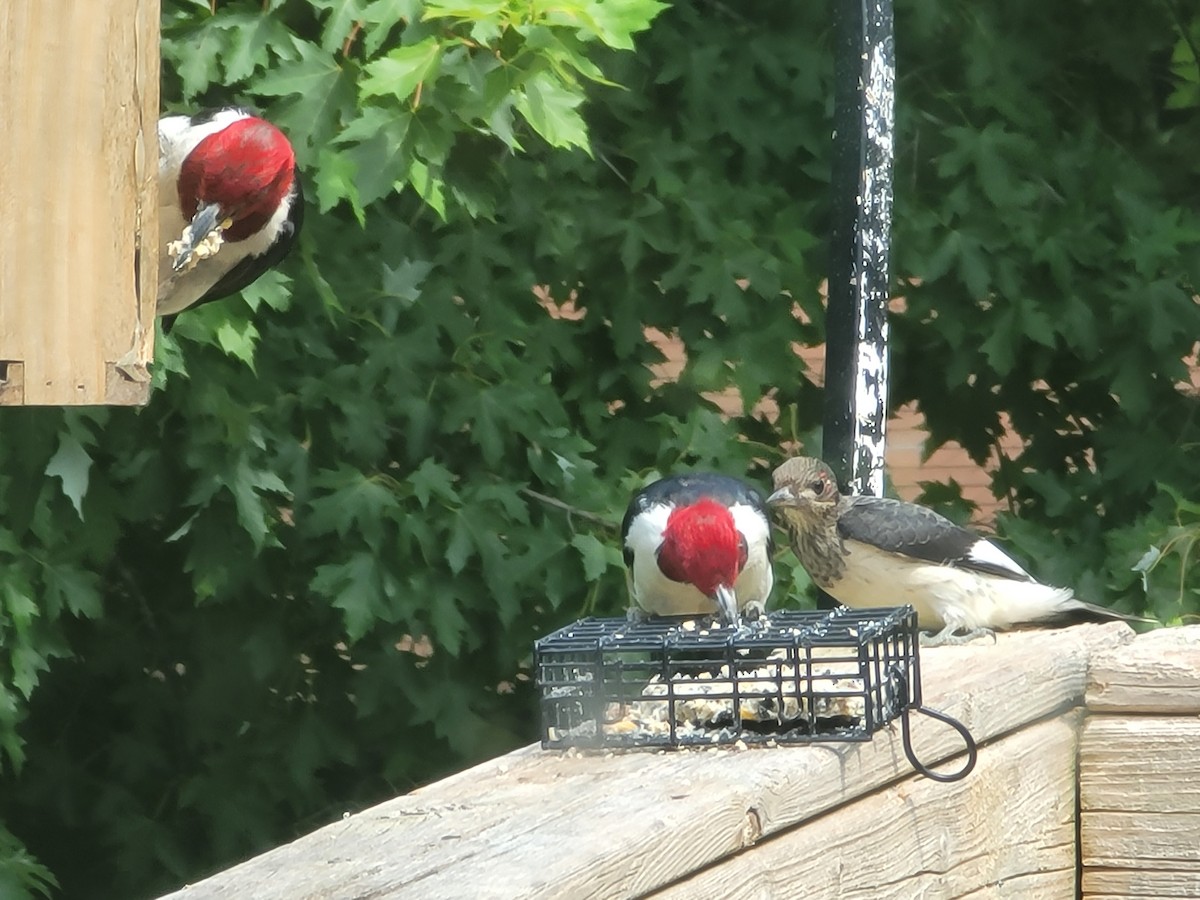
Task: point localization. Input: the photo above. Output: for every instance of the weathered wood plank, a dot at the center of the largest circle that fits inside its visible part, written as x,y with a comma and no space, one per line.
1005,831
1158,672
1139,793
534,824
1140,764
78,182
1151,841
1137,884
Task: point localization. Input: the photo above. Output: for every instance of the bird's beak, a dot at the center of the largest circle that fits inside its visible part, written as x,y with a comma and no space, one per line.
785,496
726,604
207,219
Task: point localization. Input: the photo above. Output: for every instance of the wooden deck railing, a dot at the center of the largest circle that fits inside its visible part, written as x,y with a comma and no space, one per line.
830,820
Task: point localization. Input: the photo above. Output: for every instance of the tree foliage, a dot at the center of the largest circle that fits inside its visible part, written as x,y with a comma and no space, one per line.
1051,219
307,576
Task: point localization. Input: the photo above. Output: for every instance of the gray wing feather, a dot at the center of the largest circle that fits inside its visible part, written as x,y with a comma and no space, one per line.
914,531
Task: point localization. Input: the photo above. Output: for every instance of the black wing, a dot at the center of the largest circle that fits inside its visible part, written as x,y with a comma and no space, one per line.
920,533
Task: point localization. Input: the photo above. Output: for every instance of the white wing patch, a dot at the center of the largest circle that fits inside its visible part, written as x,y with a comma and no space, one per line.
646,530
750,522
758,577
984,551
649,588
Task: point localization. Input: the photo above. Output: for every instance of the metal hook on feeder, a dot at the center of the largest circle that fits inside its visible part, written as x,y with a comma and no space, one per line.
906,739
906,735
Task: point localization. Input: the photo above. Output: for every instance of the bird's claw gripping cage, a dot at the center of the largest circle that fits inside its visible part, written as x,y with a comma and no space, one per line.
789,677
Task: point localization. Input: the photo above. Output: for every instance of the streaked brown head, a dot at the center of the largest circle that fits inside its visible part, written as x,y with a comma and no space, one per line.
804,483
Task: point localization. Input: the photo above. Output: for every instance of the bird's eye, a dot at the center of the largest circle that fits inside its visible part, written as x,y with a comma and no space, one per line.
817,486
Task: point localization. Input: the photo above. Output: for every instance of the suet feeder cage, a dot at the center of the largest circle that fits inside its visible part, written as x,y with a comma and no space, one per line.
792,677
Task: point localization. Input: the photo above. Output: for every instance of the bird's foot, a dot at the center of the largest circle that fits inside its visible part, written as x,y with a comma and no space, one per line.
950,636
635,615
754,611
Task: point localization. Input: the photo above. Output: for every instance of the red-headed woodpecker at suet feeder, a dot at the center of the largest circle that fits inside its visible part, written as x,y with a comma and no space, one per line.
872,551
698,544
230,204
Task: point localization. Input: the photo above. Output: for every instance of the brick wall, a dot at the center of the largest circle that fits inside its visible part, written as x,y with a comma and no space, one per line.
905,440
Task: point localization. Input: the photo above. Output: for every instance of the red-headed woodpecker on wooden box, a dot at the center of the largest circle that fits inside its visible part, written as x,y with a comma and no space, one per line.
230,204
697,544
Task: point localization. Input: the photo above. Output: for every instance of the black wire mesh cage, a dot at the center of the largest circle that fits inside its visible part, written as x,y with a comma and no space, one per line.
791,677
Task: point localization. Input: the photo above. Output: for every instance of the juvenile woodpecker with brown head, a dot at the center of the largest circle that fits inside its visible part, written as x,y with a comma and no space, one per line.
873,551
230,204
698,544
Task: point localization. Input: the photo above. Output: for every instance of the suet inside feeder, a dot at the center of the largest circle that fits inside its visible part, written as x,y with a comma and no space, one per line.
791,677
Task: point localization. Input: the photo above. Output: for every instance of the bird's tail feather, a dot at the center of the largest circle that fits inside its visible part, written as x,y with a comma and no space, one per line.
1080,611
1103,613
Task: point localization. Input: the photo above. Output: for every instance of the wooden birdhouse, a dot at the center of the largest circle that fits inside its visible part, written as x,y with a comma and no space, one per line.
78,196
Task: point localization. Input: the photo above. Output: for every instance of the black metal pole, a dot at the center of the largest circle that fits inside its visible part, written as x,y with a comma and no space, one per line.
856,387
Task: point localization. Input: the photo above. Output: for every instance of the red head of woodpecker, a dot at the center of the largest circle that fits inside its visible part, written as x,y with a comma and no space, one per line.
227,173
696,544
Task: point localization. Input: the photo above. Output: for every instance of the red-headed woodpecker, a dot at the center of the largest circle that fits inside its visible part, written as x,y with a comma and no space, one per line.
230,204
696,544
872,551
